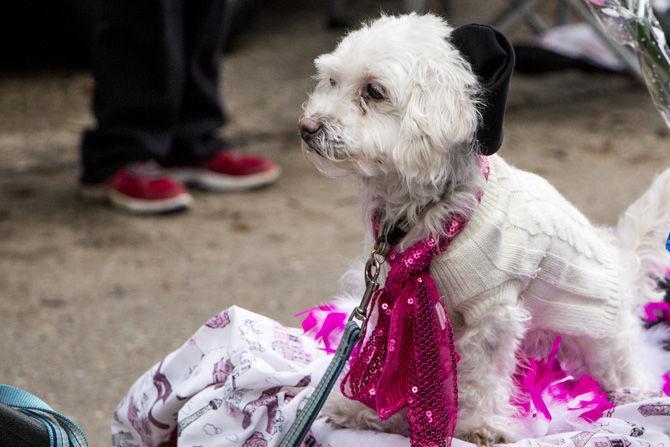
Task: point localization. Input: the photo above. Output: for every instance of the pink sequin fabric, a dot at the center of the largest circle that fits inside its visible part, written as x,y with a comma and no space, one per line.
407,357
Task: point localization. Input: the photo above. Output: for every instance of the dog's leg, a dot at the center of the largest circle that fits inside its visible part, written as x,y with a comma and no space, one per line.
347,413
488,347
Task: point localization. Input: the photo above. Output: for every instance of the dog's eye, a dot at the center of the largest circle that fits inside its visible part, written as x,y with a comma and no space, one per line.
332,81
374,92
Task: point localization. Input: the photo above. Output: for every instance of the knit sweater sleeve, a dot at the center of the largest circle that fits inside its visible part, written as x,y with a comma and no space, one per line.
526,240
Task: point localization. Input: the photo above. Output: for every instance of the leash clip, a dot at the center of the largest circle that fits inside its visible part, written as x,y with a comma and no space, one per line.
387,237
373,268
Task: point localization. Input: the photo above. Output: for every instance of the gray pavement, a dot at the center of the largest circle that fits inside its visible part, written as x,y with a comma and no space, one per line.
90,298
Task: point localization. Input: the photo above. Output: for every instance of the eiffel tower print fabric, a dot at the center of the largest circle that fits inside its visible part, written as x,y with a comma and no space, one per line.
241,378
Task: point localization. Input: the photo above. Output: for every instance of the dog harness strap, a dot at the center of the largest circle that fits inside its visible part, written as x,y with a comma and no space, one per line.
309,412
393,235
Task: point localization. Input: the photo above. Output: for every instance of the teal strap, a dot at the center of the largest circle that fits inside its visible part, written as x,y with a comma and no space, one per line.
62,431
303,422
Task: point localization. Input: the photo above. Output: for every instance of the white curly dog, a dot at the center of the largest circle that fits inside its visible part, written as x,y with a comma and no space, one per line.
399,107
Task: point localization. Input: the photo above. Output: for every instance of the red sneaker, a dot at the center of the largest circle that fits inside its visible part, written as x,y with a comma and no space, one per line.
142,188
228,171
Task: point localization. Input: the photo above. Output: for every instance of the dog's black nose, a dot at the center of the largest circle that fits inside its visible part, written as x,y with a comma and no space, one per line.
309,125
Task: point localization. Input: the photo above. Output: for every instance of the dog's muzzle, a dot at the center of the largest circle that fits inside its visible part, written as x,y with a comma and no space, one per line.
311,128
321,137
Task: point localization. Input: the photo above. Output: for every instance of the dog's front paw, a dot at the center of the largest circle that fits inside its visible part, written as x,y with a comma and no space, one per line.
345,413
484,437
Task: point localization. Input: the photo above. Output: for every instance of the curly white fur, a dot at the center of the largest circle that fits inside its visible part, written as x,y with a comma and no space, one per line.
397,107
414,148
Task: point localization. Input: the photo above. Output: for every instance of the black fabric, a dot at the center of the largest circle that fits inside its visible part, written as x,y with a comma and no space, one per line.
394,235
664,285
39,34
156,70
20,430
492,59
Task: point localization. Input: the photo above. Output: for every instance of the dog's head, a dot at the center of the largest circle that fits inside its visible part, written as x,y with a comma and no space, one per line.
395,96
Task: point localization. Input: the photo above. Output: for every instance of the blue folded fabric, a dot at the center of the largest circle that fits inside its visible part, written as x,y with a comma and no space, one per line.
62,431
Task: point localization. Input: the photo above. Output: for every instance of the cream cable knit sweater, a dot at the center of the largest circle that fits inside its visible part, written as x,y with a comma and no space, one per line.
527,243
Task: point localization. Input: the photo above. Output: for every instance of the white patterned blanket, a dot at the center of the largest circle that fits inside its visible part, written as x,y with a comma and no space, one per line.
239,380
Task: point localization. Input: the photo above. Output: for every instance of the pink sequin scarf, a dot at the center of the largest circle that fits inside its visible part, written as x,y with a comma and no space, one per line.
407,355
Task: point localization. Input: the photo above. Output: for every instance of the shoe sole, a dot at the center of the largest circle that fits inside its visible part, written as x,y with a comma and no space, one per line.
210,181
101,193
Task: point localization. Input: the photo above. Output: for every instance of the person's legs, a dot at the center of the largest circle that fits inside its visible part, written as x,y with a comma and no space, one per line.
197,148
201,114
138,60
139,85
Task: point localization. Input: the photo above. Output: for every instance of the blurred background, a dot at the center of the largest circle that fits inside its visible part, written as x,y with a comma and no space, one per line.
90,297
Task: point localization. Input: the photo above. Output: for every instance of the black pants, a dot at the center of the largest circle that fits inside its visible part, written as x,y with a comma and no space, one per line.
156,69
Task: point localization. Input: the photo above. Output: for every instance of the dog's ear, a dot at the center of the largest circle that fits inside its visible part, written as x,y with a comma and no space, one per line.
492,59
439,119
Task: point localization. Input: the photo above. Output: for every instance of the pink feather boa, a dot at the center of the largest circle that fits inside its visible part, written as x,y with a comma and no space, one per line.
550,400
325,324
656,311
547,395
